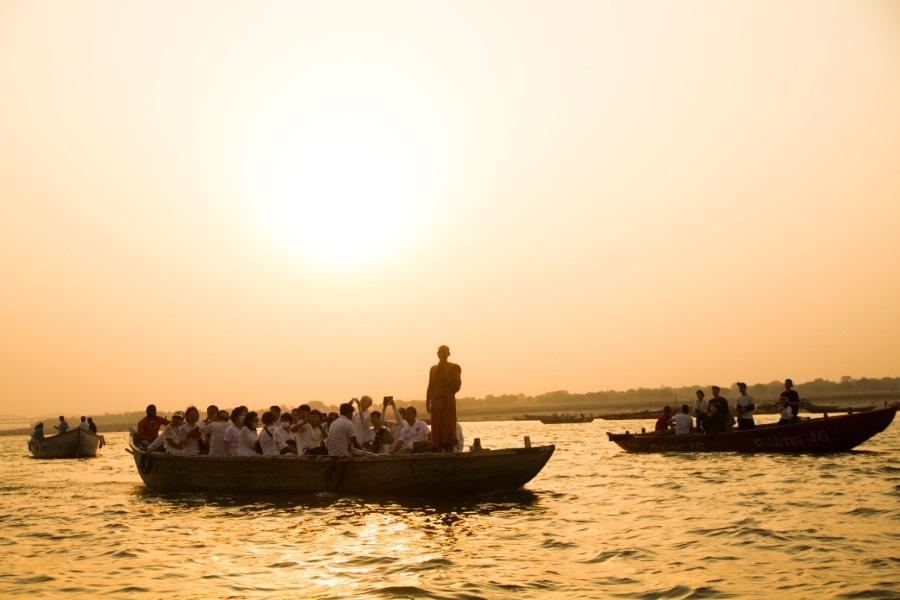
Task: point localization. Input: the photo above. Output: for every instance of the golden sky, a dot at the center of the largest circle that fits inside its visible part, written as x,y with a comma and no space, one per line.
265,202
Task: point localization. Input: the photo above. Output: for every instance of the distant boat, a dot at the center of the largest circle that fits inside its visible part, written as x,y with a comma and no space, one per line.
828,434
427,474
555,419
74,443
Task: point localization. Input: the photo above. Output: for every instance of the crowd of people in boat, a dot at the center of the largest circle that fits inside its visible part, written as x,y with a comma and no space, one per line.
355,430
715,415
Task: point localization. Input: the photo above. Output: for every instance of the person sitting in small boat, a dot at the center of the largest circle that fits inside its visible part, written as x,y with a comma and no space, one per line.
329,420
745,408
683,421
267,435
792,397
284,440
214,430
664,421
342,434
174,435
414,438
248,441
37,436
787,413
63,425
232,439
312,435
701,410
382,437
91,425
190,444
276,412
148,427
83,425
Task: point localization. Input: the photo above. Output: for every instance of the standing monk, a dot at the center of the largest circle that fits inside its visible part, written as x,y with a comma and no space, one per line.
440,400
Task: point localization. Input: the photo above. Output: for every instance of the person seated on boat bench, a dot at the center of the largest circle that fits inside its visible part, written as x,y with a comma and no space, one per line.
382,437
701,411
214,430
787,413
62,426
683,421
664,421
414,438
311,435
148,427
91,425
174,436
190,444
83,425
792,397
342,434
267,436
276,412
232,437
745,408
284,439
248,440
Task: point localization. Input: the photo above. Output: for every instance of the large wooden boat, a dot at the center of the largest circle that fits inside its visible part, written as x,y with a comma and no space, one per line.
429,474
75,443
828,434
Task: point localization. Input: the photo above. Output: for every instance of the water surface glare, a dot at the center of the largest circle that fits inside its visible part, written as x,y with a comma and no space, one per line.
596,523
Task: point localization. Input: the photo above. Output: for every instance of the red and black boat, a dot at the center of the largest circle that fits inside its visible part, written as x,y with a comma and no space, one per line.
827,434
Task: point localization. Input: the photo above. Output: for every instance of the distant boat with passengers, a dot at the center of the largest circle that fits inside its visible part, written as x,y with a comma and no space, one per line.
826,434
557,418
74,443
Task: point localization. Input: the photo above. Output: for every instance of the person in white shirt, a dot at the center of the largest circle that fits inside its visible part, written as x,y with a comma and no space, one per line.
414,438
362,422
173,435
248,437
383,437
460,447
310,435
267,435
63,425
342,434
214,430
190,444
232,439
284,440
787,413
701,410
745,408
683,421
84,424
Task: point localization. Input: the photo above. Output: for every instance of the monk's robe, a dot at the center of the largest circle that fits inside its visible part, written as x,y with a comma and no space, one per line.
443,383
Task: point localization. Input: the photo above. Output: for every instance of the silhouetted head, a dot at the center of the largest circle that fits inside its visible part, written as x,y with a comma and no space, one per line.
314,418
151,410
715,391
667,410
286,420
62,418
742,387
788,384
346,410
365,402
192,415
211,411
90,420
268,418
275,410
685,408
84,419
222,415
410,415
700,394
443,352
236,416
375,419
250,420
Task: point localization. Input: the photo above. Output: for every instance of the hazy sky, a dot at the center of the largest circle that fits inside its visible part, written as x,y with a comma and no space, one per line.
265,202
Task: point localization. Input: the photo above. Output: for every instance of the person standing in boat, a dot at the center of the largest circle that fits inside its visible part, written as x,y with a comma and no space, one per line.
444,381
63,425
362,421
745,408
719,414
792,397
701,411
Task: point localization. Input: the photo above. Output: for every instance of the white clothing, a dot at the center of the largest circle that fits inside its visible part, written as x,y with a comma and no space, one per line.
190,445
787,414
282,437
683,424
232,437
339,435
172,436
157,443
459,439
743,403
267,441
363,427
84,426
417,432
308,437
701,406
247,442
216,432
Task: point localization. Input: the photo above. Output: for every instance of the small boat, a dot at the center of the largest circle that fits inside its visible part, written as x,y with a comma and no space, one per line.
427,474
828,434
74,443
554,419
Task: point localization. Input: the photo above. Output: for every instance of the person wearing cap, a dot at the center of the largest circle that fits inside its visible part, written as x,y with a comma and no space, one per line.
444,380
745,408
174,435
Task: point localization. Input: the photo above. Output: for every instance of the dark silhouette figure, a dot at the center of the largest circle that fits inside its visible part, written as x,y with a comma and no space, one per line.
792,397
444,381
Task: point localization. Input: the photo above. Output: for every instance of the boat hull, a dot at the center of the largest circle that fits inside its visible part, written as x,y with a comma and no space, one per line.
443,475
75,443
834,434
558,420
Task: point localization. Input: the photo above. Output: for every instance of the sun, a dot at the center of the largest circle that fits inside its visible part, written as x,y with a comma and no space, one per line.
342,182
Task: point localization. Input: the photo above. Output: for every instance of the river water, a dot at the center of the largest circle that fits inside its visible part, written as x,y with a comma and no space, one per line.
596,523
